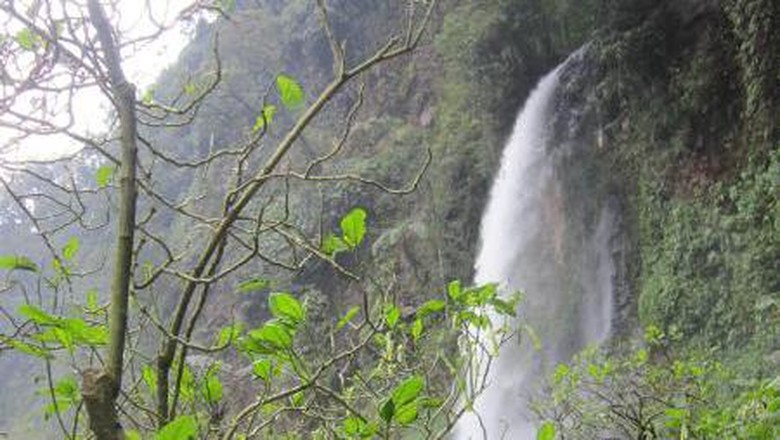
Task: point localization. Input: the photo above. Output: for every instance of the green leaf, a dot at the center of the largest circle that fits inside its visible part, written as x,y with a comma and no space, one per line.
253,285
348,317
392,316
191,88
71,248
37,315
407,414
407,391
546,431
387,411
536,341
333,244
32,350
229,334
16,262
263,368
266,117
182,428
353,227
504,307
290,91
104,174
148,96
132,435
227,5
432,306
353,426
26,39
272,337
455,291
150,378
212,388
296,400
287,308
92,301
417,329
67,389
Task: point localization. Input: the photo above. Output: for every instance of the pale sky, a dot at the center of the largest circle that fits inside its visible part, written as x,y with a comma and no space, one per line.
142,66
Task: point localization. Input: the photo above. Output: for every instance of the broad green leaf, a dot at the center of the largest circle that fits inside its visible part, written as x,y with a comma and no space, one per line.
407,391
37,315
387,411
353,426
182,428
188,384
333,244
212,388
353,227
455,291
417,329
290,91
132,435
392,316
229,334
253,285
71,248
104,174
32,350
263,368
16,262
546,431
504,307
67,389
266,117
296,400
271,337
406,414
26,39
286,307
432,306
348,317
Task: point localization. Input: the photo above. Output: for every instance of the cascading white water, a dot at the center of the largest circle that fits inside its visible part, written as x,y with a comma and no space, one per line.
522,248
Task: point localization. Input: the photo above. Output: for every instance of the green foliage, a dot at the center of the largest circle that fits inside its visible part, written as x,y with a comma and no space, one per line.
182,428
649,392
66,396
546,431
353,230
16,262
353,227
290,92
104,174
286,308
68,332
266,117
708,263
28,40
253,285
71,248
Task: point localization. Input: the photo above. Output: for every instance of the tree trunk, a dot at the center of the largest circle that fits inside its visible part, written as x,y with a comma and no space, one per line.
101,388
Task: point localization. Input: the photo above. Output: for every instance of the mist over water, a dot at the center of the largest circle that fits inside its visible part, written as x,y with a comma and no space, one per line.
526,246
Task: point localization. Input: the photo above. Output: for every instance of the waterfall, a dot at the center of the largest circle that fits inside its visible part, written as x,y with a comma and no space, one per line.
527,245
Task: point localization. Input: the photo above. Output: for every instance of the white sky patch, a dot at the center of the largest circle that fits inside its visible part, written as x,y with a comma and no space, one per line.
142,63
